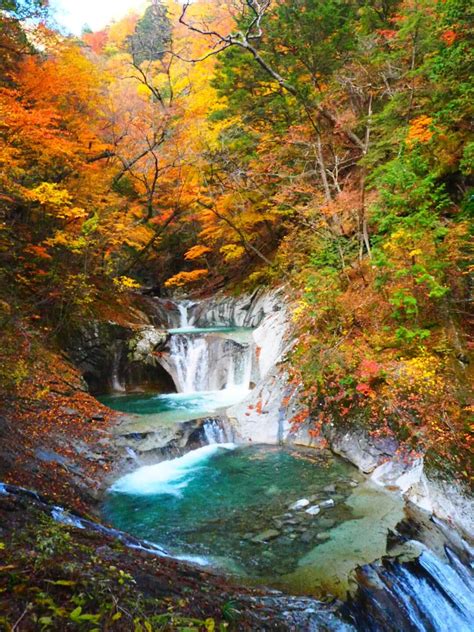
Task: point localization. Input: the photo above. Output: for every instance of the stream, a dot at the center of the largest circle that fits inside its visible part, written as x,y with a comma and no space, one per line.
298,520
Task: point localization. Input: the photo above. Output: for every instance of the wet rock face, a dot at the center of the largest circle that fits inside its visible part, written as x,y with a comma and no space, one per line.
115,357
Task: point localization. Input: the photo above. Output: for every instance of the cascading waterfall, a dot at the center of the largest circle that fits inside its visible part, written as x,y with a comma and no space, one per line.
426,594
212,358
185,316
189,354
216,432
115,376
205,362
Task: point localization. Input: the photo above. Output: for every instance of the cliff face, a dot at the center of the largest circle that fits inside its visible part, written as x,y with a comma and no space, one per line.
55,437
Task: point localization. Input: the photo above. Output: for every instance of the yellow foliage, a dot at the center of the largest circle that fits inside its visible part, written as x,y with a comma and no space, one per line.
124,283
186,278
301,309
232,252
419,375
49,194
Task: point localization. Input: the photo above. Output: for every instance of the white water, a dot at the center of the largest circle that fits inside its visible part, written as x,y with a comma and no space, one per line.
168,477
431,596
190,357
215,432
208,363
117,386
183,313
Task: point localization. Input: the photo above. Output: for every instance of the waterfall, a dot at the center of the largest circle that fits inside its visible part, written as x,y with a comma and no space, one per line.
240,369
186,319
190,357
426,594
204,362
216,432
115,377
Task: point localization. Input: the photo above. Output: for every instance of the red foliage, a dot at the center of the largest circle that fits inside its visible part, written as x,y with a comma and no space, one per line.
449,37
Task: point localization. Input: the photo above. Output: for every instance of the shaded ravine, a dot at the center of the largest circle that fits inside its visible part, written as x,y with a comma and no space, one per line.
214,364
384,595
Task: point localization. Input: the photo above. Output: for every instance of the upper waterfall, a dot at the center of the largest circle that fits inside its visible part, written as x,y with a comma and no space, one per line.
220,343
209,362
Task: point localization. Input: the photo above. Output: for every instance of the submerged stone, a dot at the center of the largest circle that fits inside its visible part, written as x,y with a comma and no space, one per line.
299,504
307,537
327,503
328,566
313,511
265,536
323,536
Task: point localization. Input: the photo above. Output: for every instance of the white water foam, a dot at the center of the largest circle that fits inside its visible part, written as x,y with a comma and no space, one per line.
185,318
200,365
190,355
168,477
204,401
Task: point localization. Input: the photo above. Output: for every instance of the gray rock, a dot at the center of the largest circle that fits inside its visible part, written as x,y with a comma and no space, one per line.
330,489
326,523
307,537
323,537
265,536
313,511
299,504
326,504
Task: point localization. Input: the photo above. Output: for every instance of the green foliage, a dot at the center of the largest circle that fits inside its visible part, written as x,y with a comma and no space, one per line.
152,35
60,579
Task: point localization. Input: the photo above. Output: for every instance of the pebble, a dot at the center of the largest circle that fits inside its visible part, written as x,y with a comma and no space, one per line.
323,536
265,536
327,503
299,504
307,537
313,511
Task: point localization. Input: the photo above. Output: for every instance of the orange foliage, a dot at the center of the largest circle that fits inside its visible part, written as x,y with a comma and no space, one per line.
420,130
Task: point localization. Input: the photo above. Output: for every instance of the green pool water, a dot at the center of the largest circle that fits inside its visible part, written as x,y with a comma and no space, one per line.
236,333
215,504
174,406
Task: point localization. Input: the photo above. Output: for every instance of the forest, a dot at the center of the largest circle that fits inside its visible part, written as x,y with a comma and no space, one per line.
195,148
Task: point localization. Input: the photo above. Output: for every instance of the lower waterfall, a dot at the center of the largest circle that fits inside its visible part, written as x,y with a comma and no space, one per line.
216,432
